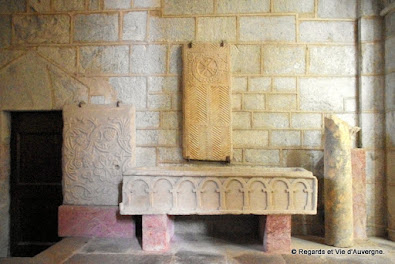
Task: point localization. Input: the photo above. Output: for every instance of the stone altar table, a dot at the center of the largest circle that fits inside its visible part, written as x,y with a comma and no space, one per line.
159,192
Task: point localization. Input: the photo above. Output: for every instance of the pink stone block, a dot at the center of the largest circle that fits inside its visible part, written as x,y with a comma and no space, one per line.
94,221
276,231
157,232
358,163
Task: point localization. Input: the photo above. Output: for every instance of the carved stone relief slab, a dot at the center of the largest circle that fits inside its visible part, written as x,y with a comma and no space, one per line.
219,190
98,146
207,102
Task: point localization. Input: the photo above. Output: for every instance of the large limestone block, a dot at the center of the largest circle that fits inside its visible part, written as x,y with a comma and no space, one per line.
6,56
172,29
207,109
134,26
96,27
224,29
98,146
218,190
53,29
333,60
237,6
270,28
104,60
39,6
69,5
337,8
31,83
5,31
181,7
64,57
25,85
246,59
327,31
338,192
12,6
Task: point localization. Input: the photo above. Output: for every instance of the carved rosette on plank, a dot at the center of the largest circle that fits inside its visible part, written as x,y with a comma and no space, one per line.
212,191
98,146
207,102
338,183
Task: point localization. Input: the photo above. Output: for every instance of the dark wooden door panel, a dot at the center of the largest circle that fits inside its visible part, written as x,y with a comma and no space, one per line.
36,190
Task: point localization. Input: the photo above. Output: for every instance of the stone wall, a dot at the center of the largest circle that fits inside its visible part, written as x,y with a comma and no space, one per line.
389,35
371,108
293,62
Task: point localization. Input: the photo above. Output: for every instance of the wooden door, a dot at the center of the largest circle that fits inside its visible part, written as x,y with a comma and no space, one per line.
36,176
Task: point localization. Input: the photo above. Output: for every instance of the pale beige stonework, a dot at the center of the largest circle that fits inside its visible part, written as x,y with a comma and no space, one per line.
246,59
282,59
42,29
98,69
134,26
96,27
237,6
216,29
207,130
267,28
98,146
32,83
68,5
218,190
181,7
175,29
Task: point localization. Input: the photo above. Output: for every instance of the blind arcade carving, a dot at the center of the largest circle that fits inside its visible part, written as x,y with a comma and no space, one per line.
218,190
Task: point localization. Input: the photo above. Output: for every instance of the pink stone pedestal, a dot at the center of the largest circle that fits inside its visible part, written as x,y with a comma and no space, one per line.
358,164
276,233
94,221
157,232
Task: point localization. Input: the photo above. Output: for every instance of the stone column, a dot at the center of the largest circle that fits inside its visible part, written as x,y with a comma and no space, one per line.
157,232
276,233
338,184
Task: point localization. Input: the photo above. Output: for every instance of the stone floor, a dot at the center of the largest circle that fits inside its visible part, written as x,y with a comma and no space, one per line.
191,249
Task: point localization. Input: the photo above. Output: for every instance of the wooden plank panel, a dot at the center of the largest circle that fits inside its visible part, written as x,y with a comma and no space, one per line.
207,102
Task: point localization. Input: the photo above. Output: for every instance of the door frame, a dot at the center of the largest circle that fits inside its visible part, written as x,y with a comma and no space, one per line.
5,173
14,146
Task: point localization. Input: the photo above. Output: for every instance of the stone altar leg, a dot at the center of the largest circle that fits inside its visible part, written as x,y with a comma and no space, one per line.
338,184
276,233
157,232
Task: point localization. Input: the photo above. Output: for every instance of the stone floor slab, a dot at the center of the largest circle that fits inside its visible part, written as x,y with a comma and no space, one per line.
202,249
61,250
111,245
189,257
256,258
16,261
119,259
